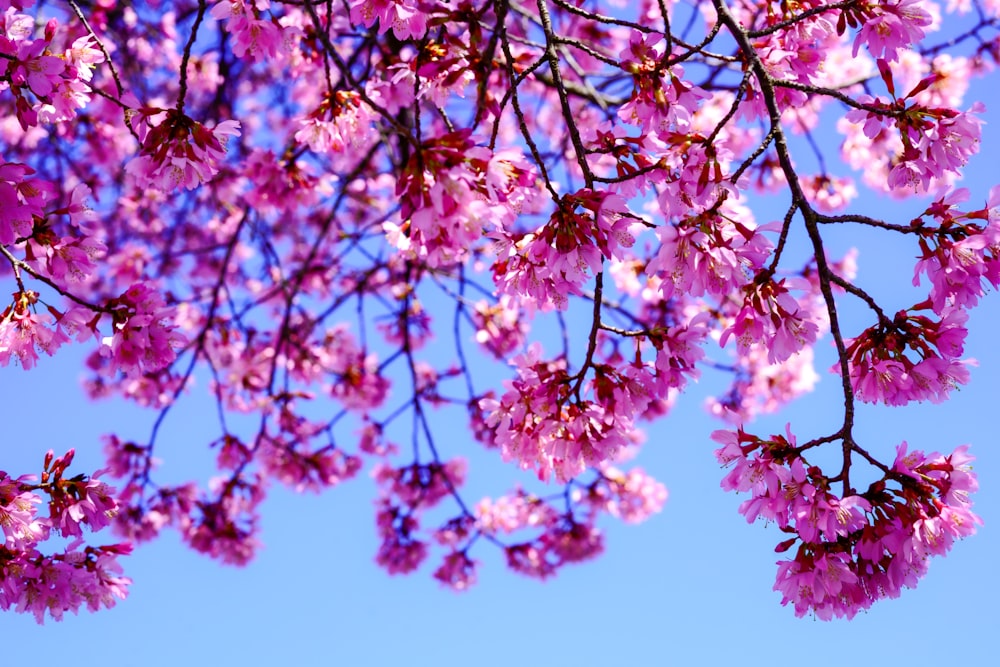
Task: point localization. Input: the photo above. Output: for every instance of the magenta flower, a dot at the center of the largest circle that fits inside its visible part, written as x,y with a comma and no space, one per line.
144,338
405,18
890,26
21,527
773,318
95,505
911,358
540,426
251,34
40,72
23,332
457,572
179,151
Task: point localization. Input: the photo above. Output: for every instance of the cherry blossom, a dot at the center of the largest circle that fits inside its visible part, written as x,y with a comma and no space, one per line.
887,27
365,235
51,584
912,358
857,548
144,339
770,315
179,151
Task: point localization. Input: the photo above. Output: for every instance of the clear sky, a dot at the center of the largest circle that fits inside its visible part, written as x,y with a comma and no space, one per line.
692,586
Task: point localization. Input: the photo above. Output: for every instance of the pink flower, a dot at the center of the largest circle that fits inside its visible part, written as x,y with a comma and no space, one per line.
64,582
933,143
21,201
144,337
303,470
772,317
357,382
822,584
858,549
457,572
958,256
707,254
538,424
780,505
500,328
508,514
94,503
419,485
69,259
830,194
831,517
400,552
228,523
635,496
889,26
252,35
405,18
342,123
759,387
531,559
179,151
552,263
458,193
911,358
662,101
908,462
31,67
18,521
573,542
23,332
762,475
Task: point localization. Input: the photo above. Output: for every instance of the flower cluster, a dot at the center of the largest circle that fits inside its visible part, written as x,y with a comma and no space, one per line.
761,387
23,332
341,123
21,201
456,193
405,494
221,522
885,27
563,537
358,385
772,317
708,254
225,524
178,151
285,459
407,19
500,328
549,265
144,337
856,548
48,87
243,364
935,142
542,424
81,575
910,358
631,496
961,252
662,100
252,35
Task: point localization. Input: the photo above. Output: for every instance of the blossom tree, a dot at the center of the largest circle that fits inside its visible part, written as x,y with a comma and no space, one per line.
338,220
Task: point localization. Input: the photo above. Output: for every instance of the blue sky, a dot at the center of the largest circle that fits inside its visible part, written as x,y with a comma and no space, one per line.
691,586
